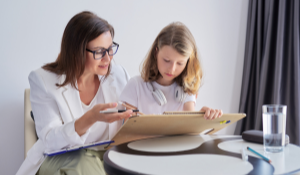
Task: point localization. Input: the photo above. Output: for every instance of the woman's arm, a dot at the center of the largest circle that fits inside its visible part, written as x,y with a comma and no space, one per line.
48,121
93,115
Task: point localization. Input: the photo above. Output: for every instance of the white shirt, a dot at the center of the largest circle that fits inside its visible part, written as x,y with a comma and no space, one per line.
98,127
137,94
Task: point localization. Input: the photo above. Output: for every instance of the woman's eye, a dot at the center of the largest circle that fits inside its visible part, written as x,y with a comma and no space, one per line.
180,64
100,52
167,60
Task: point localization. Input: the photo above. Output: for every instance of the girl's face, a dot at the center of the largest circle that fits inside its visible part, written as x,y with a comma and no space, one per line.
100,66
170,64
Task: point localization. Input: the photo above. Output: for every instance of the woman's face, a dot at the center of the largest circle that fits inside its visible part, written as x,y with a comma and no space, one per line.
170,64
99,67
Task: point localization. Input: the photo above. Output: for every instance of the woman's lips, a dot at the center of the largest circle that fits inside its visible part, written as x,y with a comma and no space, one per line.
103,67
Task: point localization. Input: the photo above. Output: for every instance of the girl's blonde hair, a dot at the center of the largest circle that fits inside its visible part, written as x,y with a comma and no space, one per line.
178,36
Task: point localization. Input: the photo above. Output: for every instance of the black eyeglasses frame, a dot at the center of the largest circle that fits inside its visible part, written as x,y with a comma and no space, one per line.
105,51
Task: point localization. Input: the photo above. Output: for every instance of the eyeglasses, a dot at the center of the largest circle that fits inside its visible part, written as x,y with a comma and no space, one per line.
99,54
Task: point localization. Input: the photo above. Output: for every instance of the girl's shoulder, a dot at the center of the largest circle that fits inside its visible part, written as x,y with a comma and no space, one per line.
137,80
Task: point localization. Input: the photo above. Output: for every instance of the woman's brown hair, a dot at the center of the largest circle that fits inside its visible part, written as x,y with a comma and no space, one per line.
178,36
81,29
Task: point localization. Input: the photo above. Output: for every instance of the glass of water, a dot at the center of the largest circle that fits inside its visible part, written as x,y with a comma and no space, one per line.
274,122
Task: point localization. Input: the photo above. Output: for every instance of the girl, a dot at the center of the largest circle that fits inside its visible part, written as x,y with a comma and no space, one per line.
170,77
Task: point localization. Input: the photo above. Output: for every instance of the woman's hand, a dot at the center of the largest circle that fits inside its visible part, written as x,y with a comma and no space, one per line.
129,106
211,113
89,118
109,117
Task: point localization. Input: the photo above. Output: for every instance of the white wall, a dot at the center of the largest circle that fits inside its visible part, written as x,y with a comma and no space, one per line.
31,33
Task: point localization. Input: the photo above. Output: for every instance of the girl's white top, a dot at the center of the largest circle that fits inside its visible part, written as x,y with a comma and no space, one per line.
137,94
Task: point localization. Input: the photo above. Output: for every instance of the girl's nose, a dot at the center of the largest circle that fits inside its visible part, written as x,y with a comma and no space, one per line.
173,68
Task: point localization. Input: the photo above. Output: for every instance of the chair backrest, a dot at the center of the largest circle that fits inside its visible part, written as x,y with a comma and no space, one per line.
29,128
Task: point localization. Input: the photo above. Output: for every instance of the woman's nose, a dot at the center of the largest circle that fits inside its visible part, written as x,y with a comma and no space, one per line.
106,57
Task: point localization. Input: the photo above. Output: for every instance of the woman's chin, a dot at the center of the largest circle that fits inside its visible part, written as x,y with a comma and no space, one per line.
102,72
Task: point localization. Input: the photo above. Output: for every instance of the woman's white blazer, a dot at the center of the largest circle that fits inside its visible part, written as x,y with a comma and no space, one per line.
56,110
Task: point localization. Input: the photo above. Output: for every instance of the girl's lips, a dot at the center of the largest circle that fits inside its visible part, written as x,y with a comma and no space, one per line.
170,75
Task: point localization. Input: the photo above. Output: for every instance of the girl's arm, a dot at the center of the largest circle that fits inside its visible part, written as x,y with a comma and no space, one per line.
211,113
189,106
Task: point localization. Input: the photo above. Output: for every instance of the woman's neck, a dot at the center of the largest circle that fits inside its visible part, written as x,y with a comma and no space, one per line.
86,80
88,85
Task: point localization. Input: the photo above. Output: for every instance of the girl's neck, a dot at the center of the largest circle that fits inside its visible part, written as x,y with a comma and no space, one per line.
163,82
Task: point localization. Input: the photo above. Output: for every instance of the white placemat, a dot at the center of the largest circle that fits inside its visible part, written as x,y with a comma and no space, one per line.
181,164
284,162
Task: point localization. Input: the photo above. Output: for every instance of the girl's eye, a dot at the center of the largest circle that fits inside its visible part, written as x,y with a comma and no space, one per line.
167,60
180,64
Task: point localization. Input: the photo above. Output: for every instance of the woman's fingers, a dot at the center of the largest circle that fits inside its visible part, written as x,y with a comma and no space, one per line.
112,117
101,107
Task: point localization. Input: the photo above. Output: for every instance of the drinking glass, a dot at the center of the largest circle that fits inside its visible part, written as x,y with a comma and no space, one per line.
274,123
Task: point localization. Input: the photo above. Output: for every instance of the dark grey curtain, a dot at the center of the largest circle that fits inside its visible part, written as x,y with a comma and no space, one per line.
271,72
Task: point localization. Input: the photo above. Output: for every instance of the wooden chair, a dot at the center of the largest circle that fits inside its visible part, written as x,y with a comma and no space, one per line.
30,136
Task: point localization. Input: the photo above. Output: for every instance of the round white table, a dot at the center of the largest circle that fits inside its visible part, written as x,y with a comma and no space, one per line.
197,154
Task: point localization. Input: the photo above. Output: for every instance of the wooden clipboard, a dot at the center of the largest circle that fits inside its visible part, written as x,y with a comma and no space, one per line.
171,123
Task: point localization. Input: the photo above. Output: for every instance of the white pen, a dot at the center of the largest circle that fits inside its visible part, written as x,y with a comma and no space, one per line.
115,110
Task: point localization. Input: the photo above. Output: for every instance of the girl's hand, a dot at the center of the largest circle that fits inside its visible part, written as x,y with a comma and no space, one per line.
110,117
211,113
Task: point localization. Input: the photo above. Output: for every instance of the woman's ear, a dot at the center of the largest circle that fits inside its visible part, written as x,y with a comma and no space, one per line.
156,53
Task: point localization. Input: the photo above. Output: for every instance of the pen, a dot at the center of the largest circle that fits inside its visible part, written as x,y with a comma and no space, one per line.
115,110
128,106
266,159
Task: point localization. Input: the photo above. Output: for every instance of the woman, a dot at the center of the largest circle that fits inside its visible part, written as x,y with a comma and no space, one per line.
67,95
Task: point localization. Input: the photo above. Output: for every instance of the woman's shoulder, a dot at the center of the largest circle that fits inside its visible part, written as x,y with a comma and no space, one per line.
118,71
42,76
43,72
117,68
